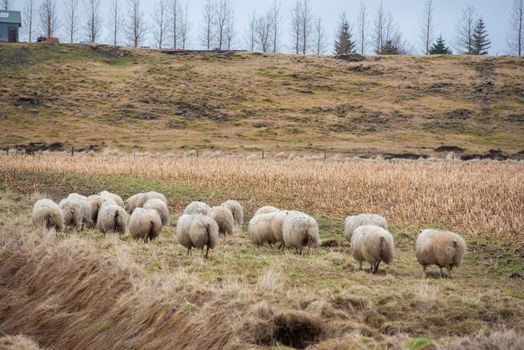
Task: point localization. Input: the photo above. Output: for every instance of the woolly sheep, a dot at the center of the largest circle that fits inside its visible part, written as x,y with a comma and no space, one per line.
73,210
95,202
195,208
441,248
112,217
352,222
138,200
115,197
160,207
47,214
266,210
145,224
86,208
197,231
267,228
223,218
373,244
300,230
236,209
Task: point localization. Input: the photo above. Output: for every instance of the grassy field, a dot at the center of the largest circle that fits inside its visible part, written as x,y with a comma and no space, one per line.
148,101
88,290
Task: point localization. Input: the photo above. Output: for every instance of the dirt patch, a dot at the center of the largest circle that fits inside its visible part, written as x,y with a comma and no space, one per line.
493,154
447,149
296,329
408,156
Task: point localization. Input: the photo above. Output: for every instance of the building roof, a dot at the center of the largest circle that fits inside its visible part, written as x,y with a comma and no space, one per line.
11,17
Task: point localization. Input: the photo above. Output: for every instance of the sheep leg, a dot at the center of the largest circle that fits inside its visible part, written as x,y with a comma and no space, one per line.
207,251
360,265
376,267
424,274
441,272
188,251
449,271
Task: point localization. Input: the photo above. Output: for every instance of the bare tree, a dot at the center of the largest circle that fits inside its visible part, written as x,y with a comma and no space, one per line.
275,25
516,39
6,5
230,32
49,18
160,23
263,32
94,20
71,18
223,16
465,30
306,18
175,18
208,14
136,27
29,15
320,37
379,29
251,34
296,26
115,21
362,28
427,27
184,27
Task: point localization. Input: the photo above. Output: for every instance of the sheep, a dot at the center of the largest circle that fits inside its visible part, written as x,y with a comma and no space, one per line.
115,197
197,208
73,210
145,224
223,218
160,207
112,217
87,217
266,210
95,202
47,214
441,248
300,230
236,209
138,200
352,222
267,228
373,244
197,231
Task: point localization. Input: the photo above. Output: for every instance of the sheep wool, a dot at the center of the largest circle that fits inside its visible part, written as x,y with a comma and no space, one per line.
86,208
442,248
300,230
266,210
267,228
223,218
138,200
236,209
352,222
47,214
115,197
145,224
73,213
95,202
160,207
112,218
373,244
195,208
197,231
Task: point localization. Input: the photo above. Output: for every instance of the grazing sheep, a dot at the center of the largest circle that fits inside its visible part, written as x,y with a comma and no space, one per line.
77,196
87,218
236,209
145,224
195,208
300,230
352,222
266,210
160,207
267,228
197,231
112,217
373,244
441,248
73,210
95,202
138,200
115,197
223,218
47,214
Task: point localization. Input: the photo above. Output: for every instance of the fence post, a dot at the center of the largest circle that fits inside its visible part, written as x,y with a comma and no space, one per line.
73,150
263,154
325,156
7,150
197,153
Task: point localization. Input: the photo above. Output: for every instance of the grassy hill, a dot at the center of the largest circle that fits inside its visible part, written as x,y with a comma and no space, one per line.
147,100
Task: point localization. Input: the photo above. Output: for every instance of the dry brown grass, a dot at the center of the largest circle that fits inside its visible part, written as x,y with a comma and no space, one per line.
481,199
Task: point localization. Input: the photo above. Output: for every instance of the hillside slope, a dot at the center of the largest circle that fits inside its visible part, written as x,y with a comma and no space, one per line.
147,100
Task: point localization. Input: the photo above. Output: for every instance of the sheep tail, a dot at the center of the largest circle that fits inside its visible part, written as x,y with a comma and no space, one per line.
208,237
116,220
455,243
151,230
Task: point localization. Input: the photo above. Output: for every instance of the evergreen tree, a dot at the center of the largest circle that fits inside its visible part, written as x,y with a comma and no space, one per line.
440,48
344,45
481,43
389,48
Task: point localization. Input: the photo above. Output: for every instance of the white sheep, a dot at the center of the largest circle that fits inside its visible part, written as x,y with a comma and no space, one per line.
112,217
86,208
195,208
300,230
197,231
47,214
373,244
352,222
138,200
115,197
145,224
74,212
266,210
441,248
236,209
95,202
267,228
223,218
161,208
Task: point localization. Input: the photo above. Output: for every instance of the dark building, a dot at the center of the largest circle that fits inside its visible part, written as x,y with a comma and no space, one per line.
10,23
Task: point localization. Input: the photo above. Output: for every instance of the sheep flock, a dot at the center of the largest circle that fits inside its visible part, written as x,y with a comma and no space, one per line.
145,215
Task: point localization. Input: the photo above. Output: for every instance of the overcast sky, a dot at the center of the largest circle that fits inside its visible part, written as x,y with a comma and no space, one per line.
407,14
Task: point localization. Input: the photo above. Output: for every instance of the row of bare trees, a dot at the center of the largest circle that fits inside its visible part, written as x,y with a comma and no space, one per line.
169,26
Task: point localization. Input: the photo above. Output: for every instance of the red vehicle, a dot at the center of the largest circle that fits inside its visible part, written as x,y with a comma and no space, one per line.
43,39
